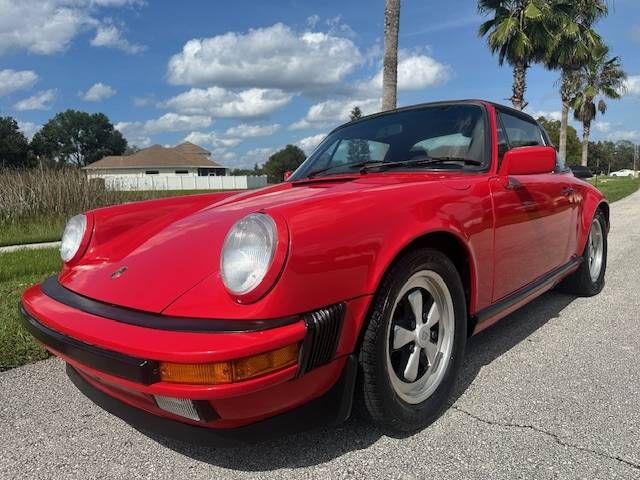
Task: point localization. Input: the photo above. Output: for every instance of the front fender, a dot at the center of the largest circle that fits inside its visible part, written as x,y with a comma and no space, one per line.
340,249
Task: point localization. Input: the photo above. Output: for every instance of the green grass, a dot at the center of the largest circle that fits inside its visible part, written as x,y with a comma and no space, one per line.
19,270
49,229
616,188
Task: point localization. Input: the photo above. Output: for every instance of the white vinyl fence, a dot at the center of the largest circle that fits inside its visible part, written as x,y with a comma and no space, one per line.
184,183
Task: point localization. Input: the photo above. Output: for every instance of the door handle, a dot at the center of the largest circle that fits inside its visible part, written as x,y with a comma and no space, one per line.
566,191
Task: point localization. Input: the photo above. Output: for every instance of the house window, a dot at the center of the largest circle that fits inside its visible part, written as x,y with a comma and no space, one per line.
151,172
182,172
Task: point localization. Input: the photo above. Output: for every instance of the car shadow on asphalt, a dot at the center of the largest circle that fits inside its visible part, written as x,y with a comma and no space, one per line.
324,444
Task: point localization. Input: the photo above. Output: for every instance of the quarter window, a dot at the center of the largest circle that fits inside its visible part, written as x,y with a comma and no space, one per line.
521,133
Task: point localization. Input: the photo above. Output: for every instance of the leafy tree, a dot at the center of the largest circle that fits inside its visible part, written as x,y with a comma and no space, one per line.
571,47
14,146
390,60
78,138
356,113
601,77
519,34
573,146
256,170
289,158
131,150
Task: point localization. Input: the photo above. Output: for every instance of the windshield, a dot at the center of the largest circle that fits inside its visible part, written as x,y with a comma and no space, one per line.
450,133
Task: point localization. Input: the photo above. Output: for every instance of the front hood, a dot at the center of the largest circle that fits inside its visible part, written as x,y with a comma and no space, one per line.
162,253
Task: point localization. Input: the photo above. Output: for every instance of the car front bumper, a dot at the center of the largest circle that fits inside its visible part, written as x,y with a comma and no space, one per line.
115,364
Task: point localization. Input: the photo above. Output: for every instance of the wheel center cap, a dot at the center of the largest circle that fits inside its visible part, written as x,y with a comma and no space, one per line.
424,335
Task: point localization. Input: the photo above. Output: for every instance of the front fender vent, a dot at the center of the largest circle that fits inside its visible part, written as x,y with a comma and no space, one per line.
323,331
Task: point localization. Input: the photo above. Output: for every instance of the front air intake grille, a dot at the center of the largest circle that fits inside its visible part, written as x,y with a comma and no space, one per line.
321,340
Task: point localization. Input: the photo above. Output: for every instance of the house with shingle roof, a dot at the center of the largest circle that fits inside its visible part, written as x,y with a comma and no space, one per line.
184,160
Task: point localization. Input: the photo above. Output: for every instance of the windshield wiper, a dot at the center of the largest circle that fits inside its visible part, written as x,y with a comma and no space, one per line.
423,161
366,163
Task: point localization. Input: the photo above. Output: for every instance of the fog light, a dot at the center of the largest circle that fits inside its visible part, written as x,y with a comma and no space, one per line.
178,406
232,370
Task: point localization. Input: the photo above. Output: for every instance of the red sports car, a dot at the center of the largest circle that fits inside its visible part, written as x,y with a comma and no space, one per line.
357,280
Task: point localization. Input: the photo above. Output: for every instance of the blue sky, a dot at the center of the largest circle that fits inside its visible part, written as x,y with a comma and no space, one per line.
244,78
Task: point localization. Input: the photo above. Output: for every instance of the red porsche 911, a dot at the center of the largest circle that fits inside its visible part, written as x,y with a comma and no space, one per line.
356,282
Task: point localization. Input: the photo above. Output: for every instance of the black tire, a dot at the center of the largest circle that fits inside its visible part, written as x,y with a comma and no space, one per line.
377,398
580,282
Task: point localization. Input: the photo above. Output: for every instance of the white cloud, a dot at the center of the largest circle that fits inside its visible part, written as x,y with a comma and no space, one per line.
334,112
139,133
110,36
632,85
212,139
143,101
29,128
251,131
14,80
45,27
272,57
602,126
98,91
220,102
631,135
548,114
415,72
308,144
40,101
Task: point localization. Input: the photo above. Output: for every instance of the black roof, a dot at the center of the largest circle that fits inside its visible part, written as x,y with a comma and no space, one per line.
469,101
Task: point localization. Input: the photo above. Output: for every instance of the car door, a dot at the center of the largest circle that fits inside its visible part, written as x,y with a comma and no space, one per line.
532,214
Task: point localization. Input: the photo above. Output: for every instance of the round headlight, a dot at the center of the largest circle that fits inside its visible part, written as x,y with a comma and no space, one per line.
247,252
72,237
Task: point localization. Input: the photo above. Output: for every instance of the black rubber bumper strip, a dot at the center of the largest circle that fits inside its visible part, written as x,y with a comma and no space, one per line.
332,408
53,289
135,369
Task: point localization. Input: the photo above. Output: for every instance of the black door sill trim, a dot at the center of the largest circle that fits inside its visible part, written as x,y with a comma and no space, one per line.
52,288
515,297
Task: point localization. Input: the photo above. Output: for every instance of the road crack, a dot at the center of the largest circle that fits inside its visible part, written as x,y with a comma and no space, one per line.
551,435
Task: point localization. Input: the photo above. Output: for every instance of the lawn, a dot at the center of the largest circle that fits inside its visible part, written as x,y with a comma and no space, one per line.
615,188
18,270
49,228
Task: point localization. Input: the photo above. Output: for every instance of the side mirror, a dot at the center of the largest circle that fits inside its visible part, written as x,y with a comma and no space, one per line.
287,174
580,171
528,161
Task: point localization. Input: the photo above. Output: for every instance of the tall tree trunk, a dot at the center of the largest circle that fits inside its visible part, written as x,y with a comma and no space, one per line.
390,62
586,130
519,85
565,95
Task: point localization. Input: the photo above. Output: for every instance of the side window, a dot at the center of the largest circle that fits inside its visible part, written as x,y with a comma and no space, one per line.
521,133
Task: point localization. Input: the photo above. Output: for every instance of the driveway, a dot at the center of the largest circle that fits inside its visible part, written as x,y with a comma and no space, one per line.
552,391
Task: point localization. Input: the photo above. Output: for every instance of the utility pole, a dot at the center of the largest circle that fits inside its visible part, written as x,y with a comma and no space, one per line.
635,160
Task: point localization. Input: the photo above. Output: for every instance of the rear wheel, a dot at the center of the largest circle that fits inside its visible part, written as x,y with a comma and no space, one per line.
588,280
414,342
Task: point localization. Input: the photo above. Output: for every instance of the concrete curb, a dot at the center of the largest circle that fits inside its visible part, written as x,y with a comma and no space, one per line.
28,246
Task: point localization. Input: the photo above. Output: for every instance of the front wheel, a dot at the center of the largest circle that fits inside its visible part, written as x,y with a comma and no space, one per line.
414,343
588,280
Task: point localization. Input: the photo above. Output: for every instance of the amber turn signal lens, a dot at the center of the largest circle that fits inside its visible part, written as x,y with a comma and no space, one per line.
232,370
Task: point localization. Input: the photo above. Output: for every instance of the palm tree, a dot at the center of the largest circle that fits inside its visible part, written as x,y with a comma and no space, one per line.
390,61
519,34
572,44
601,77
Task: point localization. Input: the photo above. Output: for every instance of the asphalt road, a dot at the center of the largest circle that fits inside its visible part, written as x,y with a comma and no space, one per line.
552,391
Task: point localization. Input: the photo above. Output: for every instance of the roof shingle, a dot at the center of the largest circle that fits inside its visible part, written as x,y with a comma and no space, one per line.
184,155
